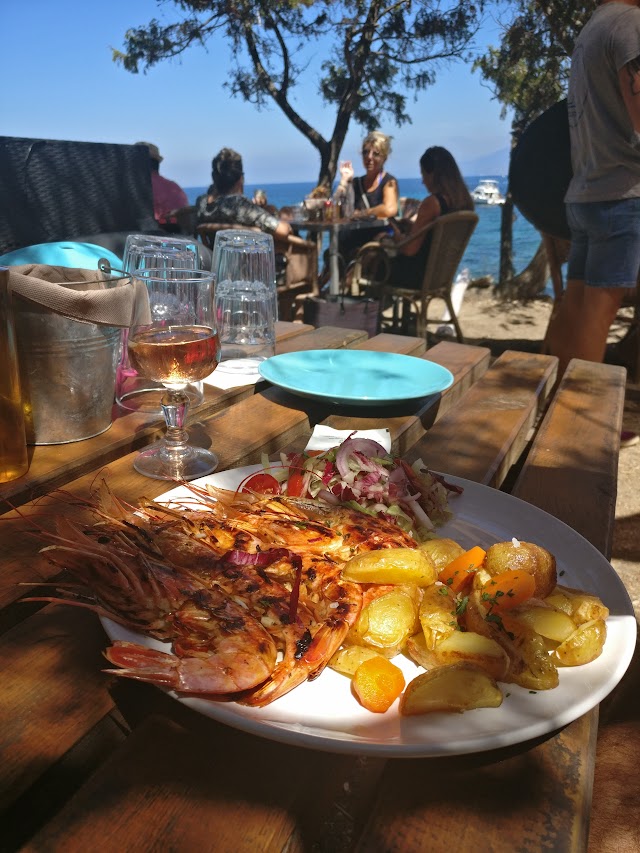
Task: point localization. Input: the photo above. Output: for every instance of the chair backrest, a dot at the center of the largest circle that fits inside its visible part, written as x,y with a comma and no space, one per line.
52,190
450,235
207,230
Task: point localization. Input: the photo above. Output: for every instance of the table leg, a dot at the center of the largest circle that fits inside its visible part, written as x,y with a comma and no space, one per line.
334,265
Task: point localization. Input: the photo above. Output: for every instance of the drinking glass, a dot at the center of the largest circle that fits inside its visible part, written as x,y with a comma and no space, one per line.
135,392
246,303
177,343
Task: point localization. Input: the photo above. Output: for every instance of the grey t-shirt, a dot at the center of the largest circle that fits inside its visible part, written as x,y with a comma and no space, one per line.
605,149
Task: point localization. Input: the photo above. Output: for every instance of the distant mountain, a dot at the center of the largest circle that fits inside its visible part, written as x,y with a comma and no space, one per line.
496,163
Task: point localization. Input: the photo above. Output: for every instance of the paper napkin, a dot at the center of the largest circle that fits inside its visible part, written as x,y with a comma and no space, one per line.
224,378
324,437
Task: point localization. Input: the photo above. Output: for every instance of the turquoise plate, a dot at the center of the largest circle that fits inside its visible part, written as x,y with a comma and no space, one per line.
357,377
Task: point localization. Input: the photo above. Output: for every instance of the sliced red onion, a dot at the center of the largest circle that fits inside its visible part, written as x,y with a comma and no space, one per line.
367,446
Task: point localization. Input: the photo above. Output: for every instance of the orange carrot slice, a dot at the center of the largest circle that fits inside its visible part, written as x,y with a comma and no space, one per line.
508,589
377,684
459,572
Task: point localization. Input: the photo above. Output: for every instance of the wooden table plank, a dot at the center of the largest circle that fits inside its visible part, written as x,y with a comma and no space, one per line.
483,435
575,452
326,337
53,692
402,344
198,786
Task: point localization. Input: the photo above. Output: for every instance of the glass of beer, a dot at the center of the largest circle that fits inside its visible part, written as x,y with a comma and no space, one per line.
173,340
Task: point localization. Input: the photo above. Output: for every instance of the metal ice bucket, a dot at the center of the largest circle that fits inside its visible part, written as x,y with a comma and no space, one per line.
67,374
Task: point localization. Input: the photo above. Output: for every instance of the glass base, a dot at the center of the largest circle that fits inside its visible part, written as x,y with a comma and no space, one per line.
164,463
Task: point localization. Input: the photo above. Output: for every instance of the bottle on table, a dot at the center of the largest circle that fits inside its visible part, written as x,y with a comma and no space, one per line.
14,460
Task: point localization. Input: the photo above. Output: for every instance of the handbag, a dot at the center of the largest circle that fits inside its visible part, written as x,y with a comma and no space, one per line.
346,312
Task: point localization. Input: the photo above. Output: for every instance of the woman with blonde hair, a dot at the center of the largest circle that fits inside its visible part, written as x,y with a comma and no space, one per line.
374,194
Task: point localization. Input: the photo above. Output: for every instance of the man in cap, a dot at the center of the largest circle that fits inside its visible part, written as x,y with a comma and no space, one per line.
167,195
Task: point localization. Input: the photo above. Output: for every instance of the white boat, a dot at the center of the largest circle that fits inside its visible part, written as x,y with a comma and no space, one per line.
487,192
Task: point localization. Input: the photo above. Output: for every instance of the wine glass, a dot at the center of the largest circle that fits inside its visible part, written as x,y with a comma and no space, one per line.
135,392
175,343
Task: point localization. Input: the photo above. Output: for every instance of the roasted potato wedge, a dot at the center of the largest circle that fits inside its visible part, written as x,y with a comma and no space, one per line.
537,561
530,665
349,658
459,647
388,621
455,688
437,614
547,621
392,565
441,551
584,645
584,607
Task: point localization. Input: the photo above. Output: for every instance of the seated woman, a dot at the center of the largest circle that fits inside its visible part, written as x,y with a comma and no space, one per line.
225,202
374,195
448,194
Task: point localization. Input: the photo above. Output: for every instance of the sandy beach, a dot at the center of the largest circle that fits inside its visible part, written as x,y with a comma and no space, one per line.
487,321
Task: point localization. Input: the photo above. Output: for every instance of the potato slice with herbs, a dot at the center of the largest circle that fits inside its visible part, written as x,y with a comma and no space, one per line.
456,688
461,647
387,621
349,658
437,614
441,551
391,565
584,606
584,645
530,665
550,623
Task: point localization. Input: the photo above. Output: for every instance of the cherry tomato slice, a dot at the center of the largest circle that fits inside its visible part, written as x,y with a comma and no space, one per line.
264,484
295,481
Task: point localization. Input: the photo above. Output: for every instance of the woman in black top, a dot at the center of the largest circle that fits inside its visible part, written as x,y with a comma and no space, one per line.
374,195
448,193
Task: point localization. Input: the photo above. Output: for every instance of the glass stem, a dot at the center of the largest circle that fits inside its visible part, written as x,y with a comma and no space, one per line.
175,405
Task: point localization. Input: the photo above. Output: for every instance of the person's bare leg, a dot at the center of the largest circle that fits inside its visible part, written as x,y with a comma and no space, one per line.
581,327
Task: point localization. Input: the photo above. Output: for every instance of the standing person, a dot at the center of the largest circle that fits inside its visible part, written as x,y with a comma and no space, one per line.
603,199
226,203
168,196
375,194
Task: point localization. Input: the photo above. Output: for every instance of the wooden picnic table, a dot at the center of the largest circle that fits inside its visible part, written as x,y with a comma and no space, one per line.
89,761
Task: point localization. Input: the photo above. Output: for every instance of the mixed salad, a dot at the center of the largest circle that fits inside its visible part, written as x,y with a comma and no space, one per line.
359,473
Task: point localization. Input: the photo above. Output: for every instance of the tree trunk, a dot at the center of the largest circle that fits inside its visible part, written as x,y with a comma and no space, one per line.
530,283
506,242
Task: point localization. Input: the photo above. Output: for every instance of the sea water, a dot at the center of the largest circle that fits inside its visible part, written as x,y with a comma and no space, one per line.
482,256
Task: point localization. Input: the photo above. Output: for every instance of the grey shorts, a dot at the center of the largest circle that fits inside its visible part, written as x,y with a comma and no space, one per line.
605,242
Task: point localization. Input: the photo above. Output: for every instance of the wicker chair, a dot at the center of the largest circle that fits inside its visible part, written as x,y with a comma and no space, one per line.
450,235
296,264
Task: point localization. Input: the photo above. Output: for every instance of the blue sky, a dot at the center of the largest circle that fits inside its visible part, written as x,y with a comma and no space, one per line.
59,82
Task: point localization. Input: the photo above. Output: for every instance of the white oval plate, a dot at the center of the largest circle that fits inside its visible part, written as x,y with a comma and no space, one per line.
357,377
324,715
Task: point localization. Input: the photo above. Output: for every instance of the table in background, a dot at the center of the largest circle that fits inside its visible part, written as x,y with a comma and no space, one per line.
86,756
334,229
